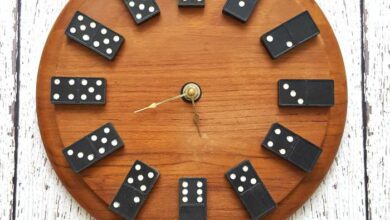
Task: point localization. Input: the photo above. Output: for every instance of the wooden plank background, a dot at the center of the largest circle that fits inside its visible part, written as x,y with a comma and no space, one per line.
357,186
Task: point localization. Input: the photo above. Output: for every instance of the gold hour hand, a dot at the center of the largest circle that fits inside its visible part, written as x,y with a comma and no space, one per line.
196,117
156,104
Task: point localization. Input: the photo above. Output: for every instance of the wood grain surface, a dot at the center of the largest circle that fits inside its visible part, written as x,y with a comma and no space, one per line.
8,83
377,107
237,108
39,195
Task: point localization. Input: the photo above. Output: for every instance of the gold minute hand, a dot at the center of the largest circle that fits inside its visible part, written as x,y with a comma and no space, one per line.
156,104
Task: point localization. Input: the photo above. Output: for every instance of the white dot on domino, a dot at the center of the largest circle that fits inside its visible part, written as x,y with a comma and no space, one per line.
56,96
293,93
83,97
98,97
71,82
84,82
70,96
270,38
93,137
253,181
91,157
86,37
116,205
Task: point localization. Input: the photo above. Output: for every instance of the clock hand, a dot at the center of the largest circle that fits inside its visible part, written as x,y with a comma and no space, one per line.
191,93
196,117
156,104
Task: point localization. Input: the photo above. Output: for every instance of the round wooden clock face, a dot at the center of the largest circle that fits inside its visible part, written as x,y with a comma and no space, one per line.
238,104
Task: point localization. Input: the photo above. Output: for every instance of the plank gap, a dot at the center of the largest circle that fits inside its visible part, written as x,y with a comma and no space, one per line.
364,105
16,108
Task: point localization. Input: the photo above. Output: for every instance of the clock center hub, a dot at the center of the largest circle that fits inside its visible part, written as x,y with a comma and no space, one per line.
191,91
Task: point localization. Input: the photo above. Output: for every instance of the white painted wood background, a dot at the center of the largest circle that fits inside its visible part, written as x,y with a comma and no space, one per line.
357,186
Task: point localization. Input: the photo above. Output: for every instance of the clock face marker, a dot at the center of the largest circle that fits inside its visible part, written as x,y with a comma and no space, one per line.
77,91
240,9
252,193
192,3
88,150
291,147
192,198
290,34
94,36
134,190
142,10
306,93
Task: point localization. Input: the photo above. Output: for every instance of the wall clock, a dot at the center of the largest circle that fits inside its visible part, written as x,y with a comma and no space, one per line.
238,104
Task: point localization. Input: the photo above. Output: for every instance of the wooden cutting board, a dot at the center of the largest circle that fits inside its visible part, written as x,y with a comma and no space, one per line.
239,103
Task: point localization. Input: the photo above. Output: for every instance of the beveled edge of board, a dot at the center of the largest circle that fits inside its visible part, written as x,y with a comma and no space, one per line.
337,118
